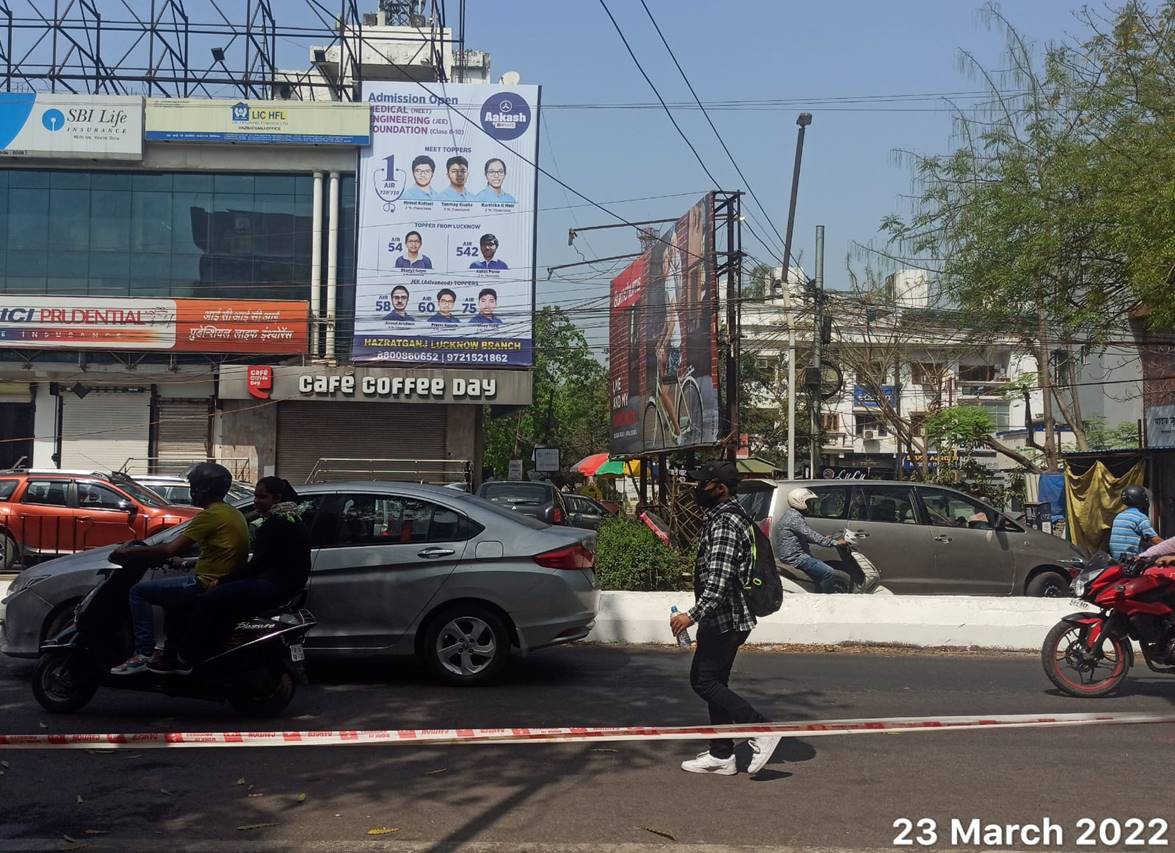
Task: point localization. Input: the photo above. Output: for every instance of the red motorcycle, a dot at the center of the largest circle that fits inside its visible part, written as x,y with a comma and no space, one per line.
1089,654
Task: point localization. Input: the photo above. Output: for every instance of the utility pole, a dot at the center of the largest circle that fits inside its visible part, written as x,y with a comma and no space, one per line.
803,120
815,383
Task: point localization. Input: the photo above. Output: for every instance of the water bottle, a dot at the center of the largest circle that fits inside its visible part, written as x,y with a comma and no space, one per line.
683,639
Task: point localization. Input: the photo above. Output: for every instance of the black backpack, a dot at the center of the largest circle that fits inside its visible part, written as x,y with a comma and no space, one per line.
763,590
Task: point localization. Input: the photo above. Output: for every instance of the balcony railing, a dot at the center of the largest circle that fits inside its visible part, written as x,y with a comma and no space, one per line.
987,388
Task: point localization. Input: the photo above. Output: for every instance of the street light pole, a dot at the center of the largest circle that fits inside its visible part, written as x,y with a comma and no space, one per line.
803,120
817,351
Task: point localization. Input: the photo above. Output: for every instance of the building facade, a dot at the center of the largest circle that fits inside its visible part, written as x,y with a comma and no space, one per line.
194,297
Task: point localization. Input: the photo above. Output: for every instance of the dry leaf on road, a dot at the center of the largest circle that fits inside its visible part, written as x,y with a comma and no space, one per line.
383,830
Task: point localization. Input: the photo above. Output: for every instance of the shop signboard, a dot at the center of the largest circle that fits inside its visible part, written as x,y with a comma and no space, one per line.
446,199
663,334
258,122
89,127
176,325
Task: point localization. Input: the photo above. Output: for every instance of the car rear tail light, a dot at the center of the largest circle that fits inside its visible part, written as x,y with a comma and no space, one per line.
765,526
557,516
572,557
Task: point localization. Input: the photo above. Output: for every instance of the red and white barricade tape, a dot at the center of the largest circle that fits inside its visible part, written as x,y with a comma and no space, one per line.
578,734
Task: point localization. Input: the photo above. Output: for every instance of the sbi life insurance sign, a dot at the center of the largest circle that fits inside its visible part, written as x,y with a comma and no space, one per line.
88,127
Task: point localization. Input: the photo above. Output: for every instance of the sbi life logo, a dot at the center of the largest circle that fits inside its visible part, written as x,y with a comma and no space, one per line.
53,120
505,115
240,112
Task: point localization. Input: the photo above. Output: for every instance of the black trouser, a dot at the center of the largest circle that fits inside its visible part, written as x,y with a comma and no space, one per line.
213,615
709,675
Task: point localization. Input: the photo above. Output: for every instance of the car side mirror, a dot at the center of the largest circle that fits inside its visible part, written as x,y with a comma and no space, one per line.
126,506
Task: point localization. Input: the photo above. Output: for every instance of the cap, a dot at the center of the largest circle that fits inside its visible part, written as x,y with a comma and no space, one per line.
722,471
489,238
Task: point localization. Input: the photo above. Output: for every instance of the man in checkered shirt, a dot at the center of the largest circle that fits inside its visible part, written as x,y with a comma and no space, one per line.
723,618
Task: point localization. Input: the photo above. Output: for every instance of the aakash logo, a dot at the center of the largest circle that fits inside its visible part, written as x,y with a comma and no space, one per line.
240,112
53,120
505,116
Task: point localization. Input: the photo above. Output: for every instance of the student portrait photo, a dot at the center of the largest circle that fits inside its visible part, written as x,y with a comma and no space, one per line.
489,248
495,172
400,305
423,168
487,305
446,301
412,259
457,168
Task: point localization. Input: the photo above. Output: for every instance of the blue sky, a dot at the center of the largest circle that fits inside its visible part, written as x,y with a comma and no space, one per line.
749,49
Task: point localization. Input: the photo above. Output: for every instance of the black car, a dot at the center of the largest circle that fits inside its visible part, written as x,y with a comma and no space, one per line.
587,512
538,500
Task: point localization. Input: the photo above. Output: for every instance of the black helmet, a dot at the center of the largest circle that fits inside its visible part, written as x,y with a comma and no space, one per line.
1136,497
209,482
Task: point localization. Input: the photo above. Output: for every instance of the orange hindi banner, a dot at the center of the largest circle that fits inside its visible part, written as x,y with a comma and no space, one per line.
262,326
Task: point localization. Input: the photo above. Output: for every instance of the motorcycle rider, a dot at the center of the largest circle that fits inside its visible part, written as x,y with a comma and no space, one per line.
1132,530
222,534
276,572
792,538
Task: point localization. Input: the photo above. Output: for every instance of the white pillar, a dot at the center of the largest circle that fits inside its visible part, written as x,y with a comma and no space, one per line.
316,265
332,265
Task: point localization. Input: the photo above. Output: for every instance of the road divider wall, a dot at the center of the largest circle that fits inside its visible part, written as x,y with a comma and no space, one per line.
1015,623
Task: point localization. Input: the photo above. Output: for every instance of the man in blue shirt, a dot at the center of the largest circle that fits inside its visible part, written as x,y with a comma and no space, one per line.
487,304
412,259
446,299
495,177
457,168
489,247
1132,530
399,305
423,168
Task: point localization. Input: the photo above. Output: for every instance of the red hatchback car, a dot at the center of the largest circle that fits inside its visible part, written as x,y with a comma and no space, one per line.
45,514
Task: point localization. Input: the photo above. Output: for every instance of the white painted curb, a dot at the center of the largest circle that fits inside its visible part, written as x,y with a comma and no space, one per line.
917,620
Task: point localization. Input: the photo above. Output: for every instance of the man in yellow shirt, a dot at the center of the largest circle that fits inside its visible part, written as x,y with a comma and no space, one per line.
222,534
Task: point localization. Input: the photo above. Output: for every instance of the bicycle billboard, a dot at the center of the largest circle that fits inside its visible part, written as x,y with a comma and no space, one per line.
663,336
446,198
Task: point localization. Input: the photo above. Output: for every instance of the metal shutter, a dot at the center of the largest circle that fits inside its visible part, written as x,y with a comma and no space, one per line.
183,430
104,429
310,431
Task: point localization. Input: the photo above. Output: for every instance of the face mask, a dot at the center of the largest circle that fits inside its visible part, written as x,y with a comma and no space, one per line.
705,499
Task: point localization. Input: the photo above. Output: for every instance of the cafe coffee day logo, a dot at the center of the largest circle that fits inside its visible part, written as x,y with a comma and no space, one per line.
505,116
240,112
259,381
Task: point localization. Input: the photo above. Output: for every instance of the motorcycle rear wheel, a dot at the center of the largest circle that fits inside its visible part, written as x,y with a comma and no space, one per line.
1066,665
64,681
263,694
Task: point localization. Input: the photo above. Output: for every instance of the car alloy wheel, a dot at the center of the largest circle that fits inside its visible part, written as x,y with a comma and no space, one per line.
466,646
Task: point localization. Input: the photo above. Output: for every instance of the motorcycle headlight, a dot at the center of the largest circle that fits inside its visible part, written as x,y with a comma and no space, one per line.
1080,586
24,581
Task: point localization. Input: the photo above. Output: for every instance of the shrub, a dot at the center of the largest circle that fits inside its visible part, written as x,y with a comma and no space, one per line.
630,557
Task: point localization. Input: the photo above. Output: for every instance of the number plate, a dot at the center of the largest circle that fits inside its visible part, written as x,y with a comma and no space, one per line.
297,653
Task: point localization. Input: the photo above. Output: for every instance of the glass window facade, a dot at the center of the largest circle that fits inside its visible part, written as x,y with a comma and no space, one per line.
206,235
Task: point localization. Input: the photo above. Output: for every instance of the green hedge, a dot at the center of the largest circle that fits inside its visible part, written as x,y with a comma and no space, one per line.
630,557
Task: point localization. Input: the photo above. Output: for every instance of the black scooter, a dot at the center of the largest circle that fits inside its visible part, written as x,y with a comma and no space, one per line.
256,670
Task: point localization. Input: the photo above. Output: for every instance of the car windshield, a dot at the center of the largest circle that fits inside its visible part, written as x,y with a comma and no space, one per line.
483,505
756,500
239,492
515,493
141,493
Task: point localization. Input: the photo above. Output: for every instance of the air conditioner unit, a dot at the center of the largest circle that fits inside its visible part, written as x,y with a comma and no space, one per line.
870,435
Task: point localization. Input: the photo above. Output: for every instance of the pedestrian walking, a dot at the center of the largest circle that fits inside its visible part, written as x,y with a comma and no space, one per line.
724,621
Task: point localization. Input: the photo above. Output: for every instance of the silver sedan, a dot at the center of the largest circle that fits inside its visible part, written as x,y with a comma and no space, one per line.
398,569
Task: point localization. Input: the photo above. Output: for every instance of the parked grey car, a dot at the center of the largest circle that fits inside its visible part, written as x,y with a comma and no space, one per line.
175,490
925,539
398,569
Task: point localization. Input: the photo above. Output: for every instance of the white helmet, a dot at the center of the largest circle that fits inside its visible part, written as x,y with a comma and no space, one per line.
798,498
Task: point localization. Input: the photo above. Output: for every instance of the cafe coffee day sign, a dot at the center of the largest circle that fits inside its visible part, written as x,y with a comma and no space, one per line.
34,124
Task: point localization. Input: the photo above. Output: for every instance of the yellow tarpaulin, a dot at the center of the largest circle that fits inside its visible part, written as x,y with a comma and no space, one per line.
1092,500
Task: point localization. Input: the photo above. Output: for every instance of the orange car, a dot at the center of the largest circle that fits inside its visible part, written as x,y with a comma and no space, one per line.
45,514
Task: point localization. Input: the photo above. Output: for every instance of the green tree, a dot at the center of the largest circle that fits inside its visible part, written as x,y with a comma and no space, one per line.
570,408
1055,217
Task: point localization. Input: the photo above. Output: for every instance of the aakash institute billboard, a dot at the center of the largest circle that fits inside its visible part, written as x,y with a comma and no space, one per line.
88,127
446,225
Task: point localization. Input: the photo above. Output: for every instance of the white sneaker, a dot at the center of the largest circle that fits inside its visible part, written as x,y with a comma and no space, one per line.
762,748
707,763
